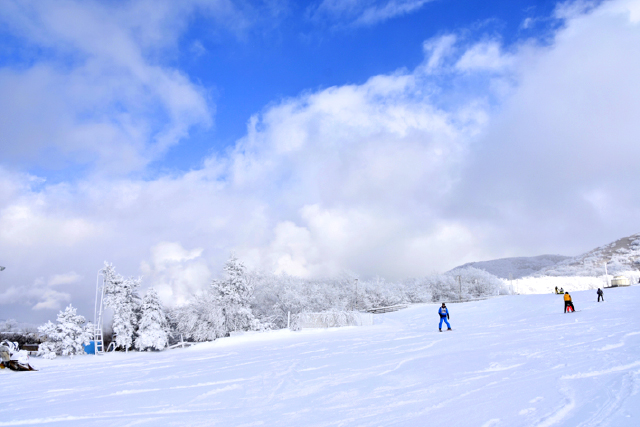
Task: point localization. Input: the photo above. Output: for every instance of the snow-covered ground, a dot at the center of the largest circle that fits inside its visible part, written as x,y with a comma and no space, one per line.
547,284
510,361
543,285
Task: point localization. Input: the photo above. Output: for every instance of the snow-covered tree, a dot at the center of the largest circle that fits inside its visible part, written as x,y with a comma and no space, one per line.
121,296
477,283
153,329
9,325
233,295
67,337
244,300
223,308
201,319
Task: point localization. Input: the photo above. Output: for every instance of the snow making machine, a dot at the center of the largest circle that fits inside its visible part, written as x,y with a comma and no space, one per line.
14,358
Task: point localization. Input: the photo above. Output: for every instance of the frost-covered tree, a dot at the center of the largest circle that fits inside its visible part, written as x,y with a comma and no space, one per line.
201,319
67,337
233,295
121,296
277,295
244,300
477,283
9,325
224,307
153,329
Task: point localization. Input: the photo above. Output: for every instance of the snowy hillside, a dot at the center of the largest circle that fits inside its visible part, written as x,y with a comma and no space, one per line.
510,361
517,266
621,256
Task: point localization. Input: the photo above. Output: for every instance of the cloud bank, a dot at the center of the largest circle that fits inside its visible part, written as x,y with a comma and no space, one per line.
481,151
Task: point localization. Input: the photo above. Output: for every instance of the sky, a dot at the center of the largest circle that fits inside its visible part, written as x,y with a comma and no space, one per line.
392,138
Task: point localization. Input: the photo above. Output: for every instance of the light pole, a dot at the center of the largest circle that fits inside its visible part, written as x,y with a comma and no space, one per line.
356,304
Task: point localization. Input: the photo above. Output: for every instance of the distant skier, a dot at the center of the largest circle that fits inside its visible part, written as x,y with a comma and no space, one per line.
568,303
444,315
557,292
600,294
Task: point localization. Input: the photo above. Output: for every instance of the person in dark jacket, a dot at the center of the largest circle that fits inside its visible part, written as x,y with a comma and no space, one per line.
444,315
600,294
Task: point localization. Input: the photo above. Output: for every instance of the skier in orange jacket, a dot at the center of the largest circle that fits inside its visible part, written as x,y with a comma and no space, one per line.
568,302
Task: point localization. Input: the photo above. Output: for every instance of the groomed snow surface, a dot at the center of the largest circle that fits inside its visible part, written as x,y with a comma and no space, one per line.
510,361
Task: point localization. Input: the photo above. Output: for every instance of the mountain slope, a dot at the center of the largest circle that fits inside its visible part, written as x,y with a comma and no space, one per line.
516,266
620,256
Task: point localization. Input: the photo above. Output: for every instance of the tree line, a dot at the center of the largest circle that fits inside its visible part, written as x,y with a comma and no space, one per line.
244,300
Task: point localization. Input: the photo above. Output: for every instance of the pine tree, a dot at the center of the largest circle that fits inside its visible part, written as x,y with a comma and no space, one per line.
233,294
67,337
121,295
49,348
153,330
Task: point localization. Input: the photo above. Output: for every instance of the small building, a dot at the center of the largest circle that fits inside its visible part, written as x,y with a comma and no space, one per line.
619,281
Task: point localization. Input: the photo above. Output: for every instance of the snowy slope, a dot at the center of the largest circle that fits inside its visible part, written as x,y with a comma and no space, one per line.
517,266
511,361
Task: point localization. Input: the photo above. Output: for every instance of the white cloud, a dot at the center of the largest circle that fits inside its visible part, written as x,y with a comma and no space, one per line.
50,299
484,56
438,49
40,295
177,274
567,130
64,279
25,225
101,95
364,12
331,241
374,14
527,23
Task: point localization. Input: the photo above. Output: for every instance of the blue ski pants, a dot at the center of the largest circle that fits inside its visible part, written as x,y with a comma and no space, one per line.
445,321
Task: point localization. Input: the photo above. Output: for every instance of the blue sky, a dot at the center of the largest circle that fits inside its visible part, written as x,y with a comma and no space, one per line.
277,50
391,138
299,51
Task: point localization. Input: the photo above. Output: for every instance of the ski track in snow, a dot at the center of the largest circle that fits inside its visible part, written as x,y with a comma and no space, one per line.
603,372
558,415
513,361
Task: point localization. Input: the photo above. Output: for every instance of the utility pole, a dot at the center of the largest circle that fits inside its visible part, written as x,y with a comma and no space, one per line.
356,304
460,283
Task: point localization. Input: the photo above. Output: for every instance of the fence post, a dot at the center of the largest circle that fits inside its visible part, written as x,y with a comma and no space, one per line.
288,320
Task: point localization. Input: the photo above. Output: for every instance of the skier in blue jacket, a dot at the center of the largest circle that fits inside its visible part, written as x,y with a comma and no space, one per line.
444,315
